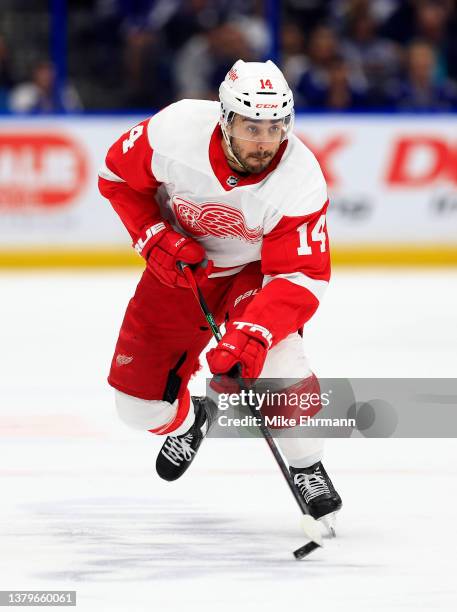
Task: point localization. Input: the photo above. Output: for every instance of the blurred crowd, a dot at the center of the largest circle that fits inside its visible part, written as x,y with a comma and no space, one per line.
338,55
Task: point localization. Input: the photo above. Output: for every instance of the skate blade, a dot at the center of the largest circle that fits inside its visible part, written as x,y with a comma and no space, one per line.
311,529
329,522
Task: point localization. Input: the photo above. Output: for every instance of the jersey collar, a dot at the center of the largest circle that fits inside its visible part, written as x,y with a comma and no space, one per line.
229,178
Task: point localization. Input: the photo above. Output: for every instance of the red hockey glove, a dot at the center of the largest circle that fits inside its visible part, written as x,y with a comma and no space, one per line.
244,343
162,248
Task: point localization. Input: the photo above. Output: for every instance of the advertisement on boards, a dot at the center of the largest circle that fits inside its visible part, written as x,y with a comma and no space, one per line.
391,180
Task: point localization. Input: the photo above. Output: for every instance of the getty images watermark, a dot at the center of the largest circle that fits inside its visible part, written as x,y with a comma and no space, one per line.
337,407
263,401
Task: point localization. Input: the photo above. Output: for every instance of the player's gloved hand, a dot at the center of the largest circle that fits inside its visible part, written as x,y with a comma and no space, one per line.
162,248
244,343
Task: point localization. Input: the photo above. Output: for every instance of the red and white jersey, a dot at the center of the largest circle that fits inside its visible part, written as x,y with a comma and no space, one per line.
172,166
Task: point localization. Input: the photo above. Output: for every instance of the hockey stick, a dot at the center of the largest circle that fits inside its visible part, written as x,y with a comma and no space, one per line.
310,525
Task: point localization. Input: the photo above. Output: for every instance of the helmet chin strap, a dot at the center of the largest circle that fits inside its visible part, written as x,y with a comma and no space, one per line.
230,151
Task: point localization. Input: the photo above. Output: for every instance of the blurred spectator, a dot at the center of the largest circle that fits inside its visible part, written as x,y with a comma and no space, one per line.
40,94
204,61
328,81
133,50
294,61
431,27
257,34
6,79
194,17
377,59
143,54
425,19
326,75
307,14
340,94
381,10
432,21
147,77
419,90
400,26
322,50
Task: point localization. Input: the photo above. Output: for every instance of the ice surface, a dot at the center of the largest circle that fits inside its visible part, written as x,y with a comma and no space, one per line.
82,509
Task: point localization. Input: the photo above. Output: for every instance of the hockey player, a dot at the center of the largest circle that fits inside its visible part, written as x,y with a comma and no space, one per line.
229,190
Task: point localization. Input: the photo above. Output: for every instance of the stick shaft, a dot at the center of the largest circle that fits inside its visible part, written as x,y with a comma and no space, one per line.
201,300
263,428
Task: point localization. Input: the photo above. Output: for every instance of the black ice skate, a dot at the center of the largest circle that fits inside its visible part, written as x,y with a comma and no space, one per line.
316,489
178,452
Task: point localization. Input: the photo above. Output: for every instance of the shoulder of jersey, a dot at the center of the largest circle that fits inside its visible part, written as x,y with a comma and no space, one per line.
297,186
180,126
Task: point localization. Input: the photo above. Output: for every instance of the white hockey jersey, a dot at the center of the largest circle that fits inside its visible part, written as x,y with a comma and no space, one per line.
172,166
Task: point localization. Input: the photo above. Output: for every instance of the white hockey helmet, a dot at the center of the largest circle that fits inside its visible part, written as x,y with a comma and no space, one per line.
259,91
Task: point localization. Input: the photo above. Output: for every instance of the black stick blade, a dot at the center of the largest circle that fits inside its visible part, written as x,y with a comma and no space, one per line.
305,550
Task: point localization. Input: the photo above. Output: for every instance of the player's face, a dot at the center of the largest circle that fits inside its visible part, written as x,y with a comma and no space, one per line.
255,142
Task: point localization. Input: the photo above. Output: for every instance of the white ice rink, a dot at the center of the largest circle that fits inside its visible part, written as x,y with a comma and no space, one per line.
82,508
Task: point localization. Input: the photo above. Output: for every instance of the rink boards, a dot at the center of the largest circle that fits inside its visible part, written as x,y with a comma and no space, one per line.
391,183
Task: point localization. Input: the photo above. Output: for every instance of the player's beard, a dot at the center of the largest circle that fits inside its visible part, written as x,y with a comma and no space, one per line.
254,163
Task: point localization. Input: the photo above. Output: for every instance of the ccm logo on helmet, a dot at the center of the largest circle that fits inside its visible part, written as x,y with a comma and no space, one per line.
266,105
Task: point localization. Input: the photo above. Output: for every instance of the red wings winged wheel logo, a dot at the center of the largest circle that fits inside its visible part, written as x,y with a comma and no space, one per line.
214,219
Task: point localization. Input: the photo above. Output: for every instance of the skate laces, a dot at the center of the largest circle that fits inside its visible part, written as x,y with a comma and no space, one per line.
177,449
311,485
